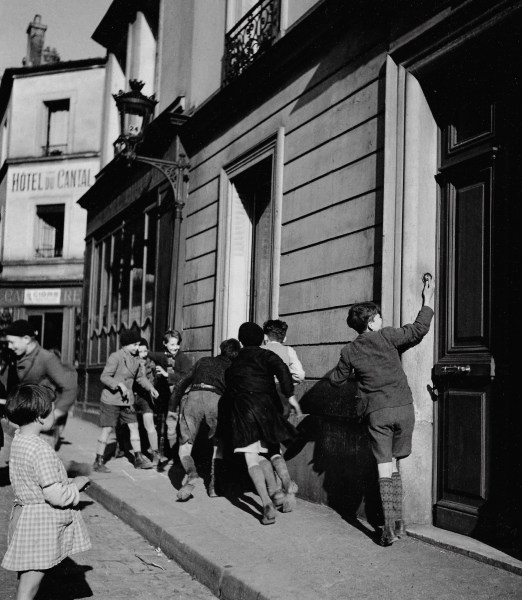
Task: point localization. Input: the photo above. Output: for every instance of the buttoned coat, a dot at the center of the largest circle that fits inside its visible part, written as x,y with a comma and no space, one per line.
124,368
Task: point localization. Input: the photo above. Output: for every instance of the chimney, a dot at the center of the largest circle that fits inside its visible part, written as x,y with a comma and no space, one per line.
35,41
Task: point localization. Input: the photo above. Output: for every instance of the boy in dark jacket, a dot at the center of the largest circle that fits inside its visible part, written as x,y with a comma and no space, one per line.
171,366
39,366
207,384
374,358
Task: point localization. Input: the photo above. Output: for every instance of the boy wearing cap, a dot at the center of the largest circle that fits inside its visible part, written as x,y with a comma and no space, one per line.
39,366
122,371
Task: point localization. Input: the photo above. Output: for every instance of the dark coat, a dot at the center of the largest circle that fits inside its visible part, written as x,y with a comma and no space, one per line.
181,367
43,367
251,402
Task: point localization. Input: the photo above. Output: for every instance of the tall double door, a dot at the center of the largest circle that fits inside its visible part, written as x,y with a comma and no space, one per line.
477,102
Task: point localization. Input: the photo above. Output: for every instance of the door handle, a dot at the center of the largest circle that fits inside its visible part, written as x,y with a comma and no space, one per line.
455,369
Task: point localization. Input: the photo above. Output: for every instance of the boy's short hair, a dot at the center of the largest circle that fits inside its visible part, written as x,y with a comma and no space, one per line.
275,329
172,333
230,348
29,402
143,342
359,315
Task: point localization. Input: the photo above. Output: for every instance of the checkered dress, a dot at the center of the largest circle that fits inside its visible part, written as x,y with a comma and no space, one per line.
40,535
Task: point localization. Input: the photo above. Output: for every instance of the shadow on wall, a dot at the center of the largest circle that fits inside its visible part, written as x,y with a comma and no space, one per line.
331,460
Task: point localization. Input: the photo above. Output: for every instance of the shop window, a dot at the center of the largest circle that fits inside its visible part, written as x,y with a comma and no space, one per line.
50,220
57,127
124,265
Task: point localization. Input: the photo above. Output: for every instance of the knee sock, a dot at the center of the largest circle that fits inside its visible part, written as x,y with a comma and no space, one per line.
135,442
386,491
279,464
258,479
153,440
397,495
268,472
189,465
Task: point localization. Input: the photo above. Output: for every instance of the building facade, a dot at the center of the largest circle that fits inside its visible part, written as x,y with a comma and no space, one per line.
50,116
337,154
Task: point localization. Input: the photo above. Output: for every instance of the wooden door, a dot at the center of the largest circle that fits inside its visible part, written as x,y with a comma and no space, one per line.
477,347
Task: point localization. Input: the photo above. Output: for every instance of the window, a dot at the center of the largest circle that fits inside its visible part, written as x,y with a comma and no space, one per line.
57,127
49,230
124,266
249,250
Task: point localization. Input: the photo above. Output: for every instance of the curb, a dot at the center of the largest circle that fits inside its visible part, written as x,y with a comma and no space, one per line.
225,581
505,563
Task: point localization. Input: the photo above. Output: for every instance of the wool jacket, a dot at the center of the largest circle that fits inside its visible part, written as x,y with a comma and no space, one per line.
374,359
43,367
122,367
207,370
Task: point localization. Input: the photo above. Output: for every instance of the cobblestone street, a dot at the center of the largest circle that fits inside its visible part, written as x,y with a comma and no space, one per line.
121,564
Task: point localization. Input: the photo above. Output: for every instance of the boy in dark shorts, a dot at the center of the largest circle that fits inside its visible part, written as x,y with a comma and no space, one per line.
122,370
207,381
374,359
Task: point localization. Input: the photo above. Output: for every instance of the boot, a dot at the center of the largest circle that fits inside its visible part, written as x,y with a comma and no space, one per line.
118,453
191,475
99,466
141,462
289,485
400,531
155,458
388,531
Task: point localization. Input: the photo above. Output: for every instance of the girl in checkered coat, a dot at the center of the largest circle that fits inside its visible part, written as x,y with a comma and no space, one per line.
45,525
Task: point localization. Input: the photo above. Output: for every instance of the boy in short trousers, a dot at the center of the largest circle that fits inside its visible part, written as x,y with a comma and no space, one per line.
374,359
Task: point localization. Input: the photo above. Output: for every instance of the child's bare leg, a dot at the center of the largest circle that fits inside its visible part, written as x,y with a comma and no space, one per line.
289,485
140,461
258,478
28,584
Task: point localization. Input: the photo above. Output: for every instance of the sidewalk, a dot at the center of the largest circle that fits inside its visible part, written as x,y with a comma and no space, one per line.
308,554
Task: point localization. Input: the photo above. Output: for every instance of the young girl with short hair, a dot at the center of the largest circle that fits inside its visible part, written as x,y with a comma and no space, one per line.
45,525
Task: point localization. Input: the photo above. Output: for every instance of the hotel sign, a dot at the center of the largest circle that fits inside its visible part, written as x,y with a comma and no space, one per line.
79,176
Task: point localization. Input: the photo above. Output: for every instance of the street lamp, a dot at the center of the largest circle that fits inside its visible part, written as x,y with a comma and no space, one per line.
136,111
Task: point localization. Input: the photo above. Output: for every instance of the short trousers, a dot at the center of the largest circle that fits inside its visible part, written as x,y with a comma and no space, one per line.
142,406
111,415
390,431
199,405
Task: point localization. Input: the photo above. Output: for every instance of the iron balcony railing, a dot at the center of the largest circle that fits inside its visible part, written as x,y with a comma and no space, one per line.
251,37
54,149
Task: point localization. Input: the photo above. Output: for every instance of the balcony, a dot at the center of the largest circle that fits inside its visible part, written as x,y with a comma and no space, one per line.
251,37
54,149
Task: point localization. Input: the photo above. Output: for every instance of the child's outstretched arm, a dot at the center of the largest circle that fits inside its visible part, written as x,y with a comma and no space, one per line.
411,334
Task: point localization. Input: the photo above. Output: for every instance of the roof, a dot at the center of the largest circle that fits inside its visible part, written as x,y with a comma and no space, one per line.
10,74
